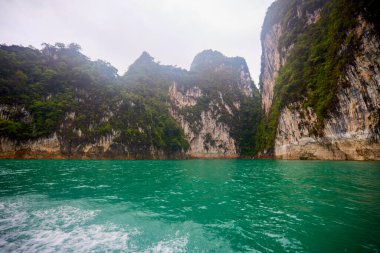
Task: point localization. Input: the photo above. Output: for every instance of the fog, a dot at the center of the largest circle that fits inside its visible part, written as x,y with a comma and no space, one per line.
173,32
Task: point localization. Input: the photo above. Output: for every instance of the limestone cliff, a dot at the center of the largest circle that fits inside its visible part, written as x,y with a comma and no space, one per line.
349,127
210,109
57,103
69,141
208,137
274,50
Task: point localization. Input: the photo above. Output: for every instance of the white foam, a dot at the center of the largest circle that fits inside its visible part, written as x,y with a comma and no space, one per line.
12,214
60,229
80,239
63,216
37,224
169,246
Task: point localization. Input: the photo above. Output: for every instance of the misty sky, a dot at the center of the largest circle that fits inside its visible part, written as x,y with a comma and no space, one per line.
118,31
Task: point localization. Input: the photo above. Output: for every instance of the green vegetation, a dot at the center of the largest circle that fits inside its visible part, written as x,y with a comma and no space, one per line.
218,76
315,66
58,89
151,81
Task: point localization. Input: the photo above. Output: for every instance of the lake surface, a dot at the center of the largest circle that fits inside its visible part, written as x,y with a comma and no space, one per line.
189,206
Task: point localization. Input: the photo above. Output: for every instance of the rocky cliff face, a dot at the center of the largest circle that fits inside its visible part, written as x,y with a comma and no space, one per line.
274,52
42,148
272,61
56,103
71,142
351,129
206,109
208,137
53,148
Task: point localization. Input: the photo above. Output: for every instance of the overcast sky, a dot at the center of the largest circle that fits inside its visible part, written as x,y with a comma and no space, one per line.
118,31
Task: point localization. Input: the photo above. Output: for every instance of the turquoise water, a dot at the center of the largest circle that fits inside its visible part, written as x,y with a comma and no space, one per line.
189,206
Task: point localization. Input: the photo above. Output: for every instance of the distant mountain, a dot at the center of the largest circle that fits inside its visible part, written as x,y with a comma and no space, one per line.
319,96
56,103
215,103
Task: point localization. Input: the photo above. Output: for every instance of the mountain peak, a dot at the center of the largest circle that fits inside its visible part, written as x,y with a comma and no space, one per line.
145,57
212,60
207,58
